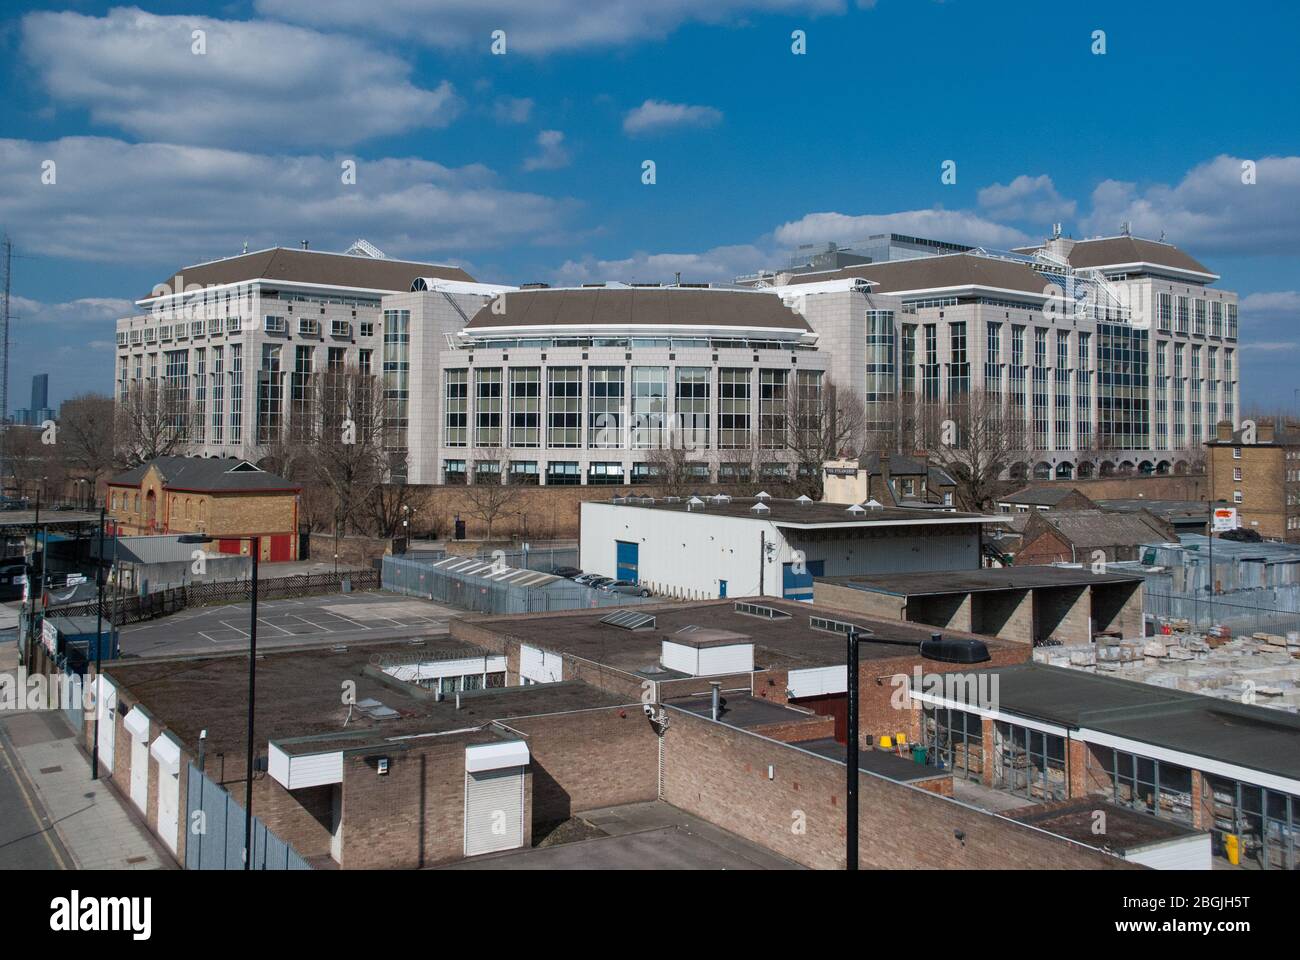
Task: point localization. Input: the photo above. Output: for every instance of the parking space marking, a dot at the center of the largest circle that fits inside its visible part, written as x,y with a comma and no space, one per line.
317,626
231,626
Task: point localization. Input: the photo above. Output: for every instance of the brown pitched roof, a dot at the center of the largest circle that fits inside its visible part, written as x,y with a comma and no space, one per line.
1110,251
926,273
641,306
206,474
310,266
1093,529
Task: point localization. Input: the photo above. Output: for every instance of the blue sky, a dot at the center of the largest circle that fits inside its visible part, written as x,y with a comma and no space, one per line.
527,166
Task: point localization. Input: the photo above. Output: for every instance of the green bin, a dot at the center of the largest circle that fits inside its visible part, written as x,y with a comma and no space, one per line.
918,755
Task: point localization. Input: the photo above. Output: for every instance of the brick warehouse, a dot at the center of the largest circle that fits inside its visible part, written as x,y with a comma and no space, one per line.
393,779
221,498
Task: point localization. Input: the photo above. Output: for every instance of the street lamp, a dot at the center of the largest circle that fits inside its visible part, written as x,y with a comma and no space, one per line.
99,644
252,686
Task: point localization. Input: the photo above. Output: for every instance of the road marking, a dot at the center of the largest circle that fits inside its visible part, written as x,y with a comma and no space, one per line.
231,626
287,633
319,626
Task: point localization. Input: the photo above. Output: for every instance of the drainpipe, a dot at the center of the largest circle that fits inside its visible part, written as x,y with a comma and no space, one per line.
717,698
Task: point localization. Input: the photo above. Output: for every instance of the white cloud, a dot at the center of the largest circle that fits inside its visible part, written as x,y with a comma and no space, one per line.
271,82
958,226
720,264
91,311
1026,198
1210,210
656,116
551,154
513,109
531,26
121,202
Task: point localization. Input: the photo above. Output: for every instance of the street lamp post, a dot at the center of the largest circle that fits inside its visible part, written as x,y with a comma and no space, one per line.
99,644
252,689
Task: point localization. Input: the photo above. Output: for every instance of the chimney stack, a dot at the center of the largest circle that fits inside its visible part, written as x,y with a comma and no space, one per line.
1223,430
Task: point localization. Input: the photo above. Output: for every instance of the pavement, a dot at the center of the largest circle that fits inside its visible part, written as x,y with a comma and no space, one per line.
52,815
333,618
641,836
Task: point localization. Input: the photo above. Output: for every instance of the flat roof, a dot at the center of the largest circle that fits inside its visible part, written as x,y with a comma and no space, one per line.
1259,738
49,518
1126,829
739,709
298,695
978,581
788,642
881,762
791,513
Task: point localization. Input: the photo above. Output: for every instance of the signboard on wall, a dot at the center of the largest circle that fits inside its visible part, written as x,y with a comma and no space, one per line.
1225,518
49,637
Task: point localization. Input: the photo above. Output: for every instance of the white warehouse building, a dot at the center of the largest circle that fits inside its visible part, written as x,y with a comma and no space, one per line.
719,546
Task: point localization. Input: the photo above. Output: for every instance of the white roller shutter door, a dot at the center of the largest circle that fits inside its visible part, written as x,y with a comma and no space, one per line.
494,810
106,704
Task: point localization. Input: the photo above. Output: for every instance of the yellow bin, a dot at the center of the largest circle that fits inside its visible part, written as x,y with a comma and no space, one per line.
1232,847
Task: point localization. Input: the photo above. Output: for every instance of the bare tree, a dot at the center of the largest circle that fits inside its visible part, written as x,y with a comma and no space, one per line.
822,421
27,462
675,465
343,439
153,420
86,436
393,503
485,497
979,440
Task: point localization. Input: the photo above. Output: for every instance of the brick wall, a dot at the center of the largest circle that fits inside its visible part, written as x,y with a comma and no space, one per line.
1164,487
590,759
721,774
1064,613
1262,486
411,817
885,605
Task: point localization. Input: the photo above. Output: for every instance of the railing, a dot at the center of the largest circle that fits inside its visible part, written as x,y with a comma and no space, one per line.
150,606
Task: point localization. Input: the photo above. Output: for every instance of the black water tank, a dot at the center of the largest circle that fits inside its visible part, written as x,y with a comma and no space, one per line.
954,649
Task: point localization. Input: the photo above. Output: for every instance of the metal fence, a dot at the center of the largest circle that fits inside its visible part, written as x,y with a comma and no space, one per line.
1270,611
215,832
137,609
416,576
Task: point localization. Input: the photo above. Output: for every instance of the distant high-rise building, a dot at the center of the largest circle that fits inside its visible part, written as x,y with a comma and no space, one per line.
40,391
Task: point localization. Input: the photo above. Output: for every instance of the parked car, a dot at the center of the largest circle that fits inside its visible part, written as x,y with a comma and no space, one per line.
599,582
586,578
628,587
567,572
13,577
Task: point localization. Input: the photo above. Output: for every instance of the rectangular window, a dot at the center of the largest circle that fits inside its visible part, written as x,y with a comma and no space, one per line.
693,407
523,472
300,392
340,328
525,407
649,407
487,407
269,395
958,363
1232,321
563,473
274,324
453,472
733,408
564,407
308,327
397,373
772,404
605,473
1165,311
236,393
456,409
218,394
1182,317
367,328
605,407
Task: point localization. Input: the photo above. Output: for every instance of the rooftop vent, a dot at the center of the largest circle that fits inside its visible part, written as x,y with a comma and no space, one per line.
954,649
629,620
762,495
760,508
694,502
855,510
720,498
534,286
803,500
874,504
376,710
